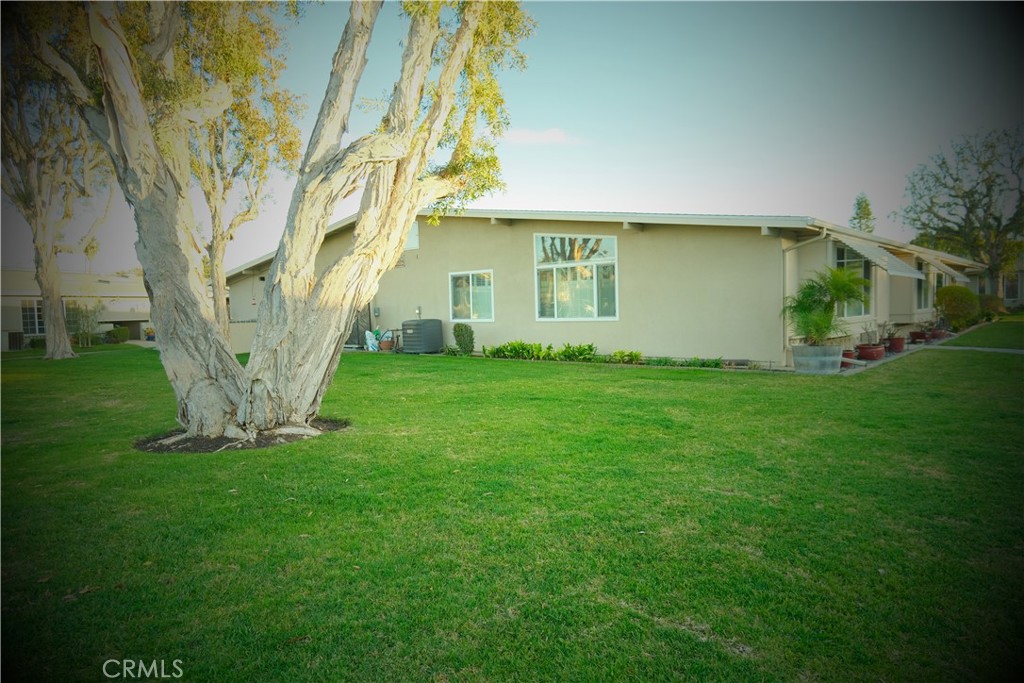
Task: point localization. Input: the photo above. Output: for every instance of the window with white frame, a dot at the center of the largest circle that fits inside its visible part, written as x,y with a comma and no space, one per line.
924,287
576,277
849,259
472,296
32,316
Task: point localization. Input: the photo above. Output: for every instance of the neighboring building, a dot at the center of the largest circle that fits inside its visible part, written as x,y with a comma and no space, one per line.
663,284
1013,285
122,295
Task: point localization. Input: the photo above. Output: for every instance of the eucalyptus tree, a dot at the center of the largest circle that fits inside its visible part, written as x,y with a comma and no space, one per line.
144,102
970,201
233,153
50,162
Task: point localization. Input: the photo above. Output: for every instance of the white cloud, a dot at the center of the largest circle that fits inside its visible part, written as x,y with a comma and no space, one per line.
550,136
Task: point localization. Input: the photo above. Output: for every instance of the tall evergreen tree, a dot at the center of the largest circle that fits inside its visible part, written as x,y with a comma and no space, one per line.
863,218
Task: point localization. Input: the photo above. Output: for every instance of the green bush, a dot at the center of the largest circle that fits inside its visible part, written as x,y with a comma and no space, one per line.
37,343
626,357
463,338
958,305
521,350
991,304
118,335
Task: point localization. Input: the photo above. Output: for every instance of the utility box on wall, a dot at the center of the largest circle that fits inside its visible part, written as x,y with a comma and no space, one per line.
422,336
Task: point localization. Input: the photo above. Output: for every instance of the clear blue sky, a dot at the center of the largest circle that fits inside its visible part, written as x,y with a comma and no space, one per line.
734,108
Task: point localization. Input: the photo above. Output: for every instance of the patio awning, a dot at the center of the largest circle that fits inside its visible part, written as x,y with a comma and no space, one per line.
943,268
880,257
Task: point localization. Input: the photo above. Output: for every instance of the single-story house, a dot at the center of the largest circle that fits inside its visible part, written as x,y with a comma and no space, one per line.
123,296
672,285
1013,292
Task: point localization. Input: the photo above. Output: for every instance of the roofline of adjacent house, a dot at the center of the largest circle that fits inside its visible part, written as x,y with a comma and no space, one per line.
638,220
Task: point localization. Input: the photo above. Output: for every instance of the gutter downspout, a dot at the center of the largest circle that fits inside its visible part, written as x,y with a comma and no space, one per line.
785,321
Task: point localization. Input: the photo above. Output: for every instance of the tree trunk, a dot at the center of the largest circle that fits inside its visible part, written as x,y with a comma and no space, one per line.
206,376
218,280
58,344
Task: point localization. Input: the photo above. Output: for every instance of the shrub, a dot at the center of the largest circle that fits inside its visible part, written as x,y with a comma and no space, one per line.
583,353
37,343
626,357
958,305
521,350
463,338
991,303
661,362
452,350
118,335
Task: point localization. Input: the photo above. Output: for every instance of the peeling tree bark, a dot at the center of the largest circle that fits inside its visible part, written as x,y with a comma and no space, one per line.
304,316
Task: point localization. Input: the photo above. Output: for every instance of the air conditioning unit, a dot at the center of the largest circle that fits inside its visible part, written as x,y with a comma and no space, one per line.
422,336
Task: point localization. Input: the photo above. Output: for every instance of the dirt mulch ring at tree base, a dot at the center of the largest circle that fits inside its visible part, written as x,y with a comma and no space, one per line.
165,443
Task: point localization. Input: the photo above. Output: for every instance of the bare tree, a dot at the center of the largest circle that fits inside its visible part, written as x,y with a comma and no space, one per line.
970,201
446,87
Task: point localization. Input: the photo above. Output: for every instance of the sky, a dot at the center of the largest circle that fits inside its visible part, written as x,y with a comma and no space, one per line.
685,107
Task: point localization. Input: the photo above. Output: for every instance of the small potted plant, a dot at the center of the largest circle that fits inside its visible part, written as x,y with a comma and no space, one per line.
918,336
812,311
893,344
870,349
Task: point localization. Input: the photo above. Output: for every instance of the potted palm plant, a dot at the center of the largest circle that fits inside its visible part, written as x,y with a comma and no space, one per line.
812,311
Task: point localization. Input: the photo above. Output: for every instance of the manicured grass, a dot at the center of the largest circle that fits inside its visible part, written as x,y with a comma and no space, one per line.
498,520
1002,334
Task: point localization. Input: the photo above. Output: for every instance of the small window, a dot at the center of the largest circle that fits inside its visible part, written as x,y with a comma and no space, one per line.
412,240
472,296
924,287
32,316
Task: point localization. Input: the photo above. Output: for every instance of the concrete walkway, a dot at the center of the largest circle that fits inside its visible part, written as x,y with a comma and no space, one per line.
914,348
978,348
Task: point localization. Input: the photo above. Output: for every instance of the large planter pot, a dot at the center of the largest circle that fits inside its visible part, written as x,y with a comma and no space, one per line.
870,351
937,334
817,360
848,354
918,337
897,344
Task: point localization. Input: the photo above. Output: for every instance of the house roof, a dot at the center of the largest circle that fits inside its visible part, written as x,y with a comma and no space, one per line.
769,225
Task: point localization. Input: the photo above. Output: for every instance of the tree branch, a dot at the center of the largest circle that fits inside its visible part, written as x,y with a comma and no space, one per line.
349,62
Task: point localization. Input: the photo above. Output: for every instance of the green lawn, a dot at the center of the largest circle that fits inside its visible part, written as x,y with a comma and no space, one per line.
1005,334
501,520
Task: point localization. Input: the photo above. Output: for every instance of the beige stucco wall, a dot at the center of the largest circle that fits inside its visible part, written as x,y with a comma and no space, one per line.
683,291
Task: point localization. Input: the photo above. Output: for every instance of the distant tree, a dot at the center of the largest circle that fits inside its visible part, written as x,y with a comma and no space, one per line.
140,97
50,162
863,218
240,146
970,201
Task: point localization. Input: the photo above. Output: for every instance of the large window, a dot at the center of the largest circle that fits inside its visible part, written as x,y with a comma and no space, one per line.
851,260
472,296
32,316
576,277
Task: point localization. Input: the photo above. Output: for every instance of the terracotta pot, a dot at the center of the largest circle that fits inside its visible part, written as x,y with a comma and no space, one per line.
870,351
851,354
917,337
937,334
387,344
897,344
